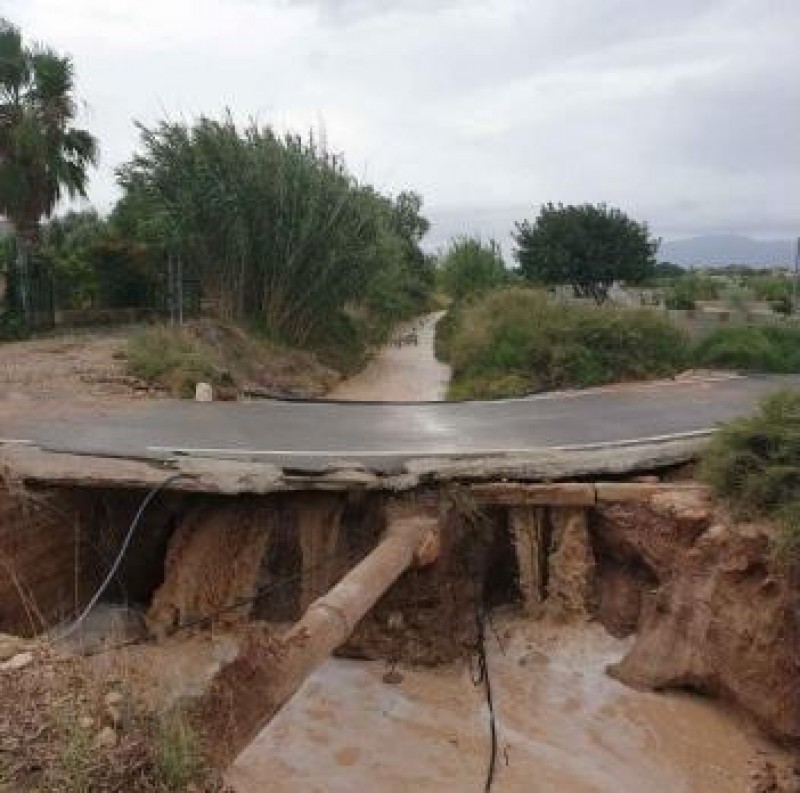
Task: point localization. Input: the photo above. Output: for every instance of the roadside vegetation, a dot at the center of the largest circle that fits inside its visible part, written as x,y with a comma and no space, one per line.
754,463
771,348
471,266
515,341
239,224
224,355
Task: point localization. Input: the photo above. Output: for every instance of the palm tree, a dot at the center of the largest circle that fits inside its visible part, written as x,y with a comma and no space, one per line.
42,156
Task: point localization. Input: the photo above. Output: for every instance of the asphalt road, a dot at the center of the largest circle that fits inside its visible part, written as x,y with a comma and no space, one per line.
378,435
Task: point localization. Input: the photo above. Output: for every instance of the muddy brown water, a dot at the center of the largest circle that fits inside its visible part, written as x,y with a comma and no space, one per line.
564,725
407,373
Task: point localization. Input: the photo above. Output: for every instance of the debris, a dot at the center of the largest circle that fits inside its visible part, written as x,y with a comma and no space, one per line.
19,661
106,738
11,646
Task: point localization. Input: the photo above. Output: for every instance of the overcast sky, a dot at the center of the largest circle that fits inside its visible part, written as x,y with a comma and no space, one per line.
683,113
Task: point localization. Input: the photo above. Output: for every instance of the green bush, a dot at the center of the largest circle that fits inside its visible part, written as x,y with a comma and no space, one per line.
754,463
751,348
687,290
514,341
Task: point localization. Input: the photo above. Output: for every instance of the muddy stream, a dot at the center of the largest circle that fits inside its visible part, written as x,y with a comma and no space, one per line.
564,726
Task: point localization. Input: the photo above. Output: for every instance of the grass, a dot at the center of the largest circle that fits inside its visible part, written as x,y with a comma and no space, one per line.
773,348
225,355
53,712
754,463
170,357
514,341
178,753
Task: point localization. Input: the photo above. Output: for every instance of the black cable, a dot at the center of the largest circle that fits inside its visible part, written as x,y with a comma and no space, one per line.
484,677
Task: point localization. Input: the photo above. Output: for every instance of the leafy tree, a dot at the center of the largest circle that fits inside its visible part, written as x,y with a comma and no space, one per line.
97,266
42,155
668,270
273,226
471,266
588,246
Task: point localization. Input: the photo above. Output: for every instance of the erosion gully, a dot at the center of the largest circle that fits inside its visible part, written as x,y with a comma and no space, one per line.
635,637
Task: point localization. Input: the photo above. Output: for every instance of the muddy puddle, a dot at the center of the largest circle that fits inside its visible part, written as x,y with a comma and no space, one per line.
564,727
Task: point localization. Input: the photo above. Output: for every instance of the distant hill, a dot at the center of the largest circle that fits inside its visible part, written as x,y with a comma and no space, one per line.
722,249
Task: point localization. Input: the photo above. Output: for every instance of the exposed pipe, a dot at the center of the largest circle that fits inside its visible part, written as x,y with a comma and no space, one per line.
247,692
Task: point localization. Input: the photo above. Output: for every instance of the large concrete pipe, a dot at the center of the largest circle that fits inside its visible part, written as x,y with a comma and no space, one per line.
247,692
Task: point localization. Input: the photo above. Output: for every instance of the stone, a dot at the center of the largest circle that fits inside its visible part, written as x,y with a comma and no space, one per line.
114,714
203,392
106,738
86,722
17,662
114,698
11,646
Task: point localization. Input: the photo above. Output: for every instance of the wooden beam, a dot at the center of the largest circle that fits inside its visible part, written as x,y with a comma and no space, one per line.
521,494
619,492
529,532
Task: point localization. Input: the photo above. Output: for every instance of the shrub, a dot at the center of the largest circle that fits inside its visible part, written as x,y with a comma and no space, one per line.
471,266
170,357
755,464
514,341
686,291
750,348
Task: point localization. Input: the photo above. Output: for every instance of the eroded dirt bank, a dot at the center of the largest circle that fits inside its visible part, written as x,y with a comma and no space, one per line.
697,604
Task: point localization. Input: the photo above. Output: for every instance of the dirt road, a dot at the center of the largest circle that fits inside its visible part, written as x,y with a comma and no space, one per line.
401,373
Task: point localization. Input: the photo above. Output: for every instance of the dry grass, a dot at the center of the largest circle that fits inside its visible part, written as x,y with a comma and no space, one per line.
53,711
226,356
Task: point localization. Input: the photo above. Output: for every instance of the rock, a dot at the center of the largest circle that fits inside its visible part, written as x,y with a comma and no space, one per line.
114,714
203,392
19,661
106,738
11,646
114,698
86,722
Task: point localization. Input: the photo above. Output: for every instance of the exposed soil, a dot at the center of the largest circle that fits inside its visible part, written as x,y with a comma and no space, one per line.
63,728
91,367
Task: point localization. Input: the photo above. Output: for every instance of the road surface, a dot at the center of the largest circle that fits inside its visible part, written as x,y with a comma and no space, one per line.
382,436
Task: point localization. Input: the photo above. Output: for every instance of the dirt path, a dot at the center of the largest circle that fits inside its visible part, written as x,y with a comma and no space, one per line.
70,366
406,373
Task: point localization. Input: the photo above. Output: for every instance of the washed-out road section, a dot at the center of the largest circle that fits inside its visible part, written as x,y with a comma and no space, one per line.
382,437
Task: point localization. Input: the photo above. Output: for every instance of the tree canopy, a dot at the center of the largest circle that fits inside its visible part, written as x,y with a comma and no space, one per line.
42,155
588,247
471,266
273,226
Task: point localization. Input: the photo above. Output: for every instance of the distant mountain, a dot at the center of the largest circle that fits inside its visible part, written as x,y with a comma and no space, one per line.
722,249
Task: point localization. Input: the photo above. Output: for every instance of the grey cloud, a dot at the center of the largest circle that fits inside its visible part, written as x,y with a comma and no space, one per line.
685,113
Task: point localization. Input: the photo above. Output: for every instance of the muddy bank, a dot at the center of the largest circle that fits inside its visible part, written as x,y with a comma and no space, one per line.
712,608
